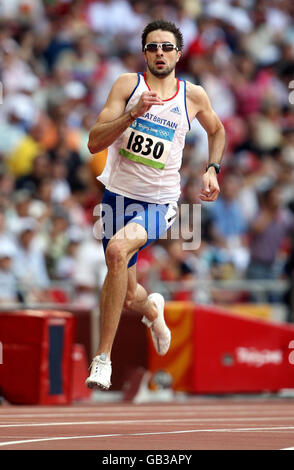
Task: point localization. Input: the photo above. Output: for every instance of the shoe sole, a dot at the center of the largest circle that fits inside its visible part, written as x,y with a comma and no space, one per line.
97,386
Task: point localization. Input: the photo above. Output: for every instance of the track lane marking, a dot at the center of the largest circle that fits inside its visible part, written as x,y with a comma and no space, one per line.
161,407
143,421
140,413
221,430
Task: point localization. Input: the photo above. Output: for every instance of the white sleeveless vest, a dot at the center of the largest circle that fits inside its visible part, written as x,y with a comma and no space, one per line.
144,162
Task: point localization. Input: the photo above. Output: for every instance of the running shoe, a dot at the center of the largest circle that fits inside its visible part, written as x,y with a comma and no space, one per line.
160,333
100,373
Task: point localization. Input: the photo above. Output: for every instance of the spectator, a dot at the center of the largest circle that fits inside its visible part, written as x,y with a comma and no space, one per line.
11,134
66,266
80,62
226,212
21,209
6,189
6,236
267,233
55,239
60,185
29,263
228,222
40,169
89,276
8,281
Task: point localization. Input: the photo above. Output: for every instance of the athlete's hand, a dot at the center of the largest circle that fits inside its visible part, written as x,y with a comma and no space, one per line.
210,187
147,99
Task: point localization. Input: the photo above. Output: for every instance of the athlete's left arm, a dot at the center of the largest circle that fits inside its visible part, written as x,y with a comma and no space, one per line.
216,140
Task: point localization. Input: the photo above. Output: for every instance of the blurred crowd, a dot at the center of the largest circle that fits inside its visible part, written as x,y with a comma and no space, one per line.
59,60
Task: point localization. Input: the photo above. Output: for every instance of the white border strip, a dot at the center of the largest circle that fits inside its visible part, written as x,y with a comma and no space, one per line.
145,421
96,436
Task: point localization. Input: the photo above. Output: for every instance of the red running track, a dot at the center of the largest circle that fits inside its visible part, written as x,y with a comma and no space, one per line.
200,423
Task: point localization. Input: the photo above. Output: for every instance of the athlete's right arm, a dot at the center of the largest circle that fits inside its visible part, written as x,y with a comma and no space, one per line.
113,120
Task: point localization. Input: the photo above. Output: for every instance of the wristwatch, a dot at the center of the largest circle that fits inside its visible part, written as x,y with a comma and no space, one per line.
216,166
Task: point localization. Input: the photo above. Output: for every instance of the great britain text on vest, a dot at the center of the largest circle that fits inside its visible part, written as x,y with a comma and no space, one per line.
164,122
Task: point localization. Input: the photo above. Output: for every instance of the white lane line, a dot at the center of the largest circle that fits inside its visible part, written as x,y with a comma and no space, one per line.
129,413
93,414
161,408
144,421
288,448
96,436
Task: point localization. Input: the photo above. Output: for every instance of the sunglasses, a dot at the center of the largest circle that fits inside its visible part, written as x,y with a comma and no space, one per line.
165,46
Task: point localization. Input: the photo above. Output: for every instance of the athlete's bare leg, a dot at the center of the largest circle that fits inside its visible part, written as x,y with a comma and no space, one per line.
119,251
137,297
151,309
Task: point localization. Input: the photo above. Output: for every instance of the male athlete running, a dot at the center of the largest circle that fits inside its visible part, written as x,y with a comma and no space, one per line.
143,124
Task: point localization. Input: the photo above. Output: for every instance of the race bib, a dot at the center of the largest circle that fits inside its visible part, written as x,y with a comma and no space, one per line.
148,143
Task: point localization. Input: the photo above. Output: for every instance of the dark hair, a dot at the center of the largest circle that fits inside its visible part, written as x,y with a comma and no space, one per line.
164,26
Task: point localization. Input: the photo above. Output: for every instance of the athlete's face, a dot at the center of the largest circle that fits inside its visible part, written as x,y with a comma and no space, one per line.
160,63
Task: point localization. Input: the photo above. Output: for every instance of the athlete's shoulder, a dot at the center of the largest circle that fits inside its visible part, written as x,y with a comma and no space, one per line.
126,81
124,85
197,95
195,92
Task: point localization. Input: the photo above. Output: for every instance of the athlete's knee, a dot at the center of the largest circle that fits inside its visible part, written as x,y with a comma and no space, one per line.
115,254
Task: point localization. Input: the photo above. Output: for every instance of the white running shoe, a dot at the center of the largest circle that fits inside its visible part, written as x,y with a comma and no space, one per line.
160,333
100,373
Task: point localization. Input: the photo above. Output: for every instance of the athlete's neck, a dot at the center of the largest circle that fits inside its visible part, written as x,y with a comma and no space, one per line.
166,87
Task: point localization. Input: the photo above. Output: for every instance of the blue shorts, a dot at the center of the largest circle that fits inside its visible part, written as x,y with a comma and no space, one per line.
118,211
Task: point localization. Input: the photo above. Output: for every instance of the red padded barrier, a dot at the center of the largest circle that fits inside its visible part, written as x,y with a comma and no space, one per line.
236,354
37,356
213,351
79,373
